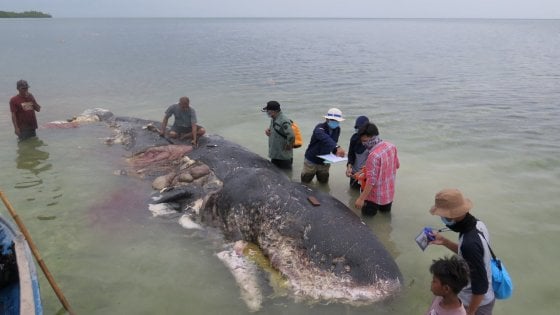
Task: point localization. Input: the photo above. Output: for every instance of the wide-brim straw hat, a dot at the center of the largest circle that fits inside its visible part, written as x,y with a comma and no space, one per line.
450,203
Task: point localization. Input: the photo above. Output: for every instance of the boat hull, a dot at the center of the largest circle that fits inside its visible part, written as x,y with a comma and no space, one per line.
22,296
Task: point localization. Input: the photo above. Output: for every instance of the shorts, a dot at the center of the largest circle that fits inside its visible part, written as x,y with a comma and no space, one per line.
354,184
181,129
485,309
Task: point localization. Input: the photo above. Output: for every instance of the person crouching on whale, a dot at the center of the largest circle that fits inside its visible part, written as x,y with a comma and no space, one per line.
185,124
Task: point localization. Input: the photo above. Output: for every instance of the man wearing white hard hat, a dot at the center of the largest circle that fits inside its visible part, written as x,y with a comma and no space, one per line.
323,141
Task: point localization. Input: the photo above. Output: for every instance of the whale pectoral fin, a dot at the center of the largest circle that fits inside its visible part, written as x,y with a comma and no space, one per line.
246,275
276,280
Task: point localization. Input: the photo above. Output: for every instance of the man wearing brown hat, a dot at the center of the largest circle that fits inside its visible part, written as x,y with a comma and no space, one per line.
23,107
453,208
280,136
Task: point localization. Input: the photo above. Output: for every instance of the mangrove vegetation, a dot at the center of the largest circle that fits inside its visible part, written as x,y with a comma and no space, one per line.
25,14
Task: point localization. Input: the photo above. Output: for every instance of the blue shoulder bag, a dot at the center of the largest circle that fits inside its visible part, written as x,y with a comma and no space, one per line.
501,281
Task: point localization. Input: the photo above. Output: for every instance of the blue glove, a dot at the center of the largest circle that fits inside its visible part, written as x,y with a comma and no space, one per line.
429,234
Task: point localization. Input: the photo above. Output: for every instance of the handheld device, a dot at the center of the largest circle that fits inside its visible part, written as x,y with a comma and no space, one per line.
426,236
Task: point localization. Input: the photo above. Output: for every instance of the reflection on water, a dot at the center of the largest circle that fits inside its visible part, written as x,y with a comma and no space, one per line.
33,159
30,158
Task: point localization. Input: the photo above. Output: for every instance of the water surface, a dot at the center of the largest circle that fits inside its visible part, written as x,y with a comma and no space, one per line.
472,104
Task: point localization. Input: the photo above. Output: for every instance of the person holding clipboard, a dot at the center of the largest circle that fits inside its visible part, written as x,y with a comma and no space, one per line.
323,142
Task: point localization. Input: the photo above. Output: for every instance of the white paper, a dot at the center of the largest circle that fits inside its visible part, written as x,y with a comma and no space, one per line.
331,158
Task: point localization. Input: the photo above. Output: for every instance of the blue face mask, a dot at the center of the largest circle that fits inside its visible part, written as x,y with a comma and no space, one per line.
333,124
447,222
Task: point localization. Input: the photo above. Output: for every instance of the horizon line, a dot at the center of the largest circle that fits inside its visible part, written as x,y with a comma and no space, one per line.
311,17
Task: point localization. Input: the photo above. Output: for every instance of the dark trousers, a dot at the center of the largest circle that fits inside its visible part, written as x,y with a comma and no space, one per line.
283,164
26,134
354,184
370,208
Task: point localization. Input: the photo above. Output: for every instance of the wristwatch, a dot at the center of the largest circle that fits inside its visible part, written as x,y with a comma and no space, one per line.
335,148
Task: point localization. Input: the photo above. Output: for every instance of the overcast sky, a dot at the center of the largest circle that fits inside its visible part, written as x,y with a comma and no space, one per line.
532,9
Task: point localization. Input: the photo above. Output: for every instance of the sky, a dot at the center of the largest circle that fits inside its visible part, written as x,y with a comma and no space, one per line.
524,9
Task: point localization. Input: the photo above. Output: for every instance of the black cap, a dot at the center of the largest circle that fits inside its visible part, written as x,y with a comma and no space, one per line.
272,105
360,121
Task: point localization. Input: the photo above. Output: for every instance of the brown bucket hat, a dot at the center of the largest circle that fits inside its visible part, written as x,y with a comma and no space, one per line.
451,204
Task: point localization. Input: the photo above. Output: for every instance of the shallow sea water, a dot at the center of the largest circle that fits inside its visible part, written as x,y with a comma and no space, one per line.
472,104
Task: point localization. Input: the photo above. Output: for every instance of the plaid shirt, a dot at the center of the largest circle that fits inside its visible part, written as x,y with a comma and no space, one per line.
381,170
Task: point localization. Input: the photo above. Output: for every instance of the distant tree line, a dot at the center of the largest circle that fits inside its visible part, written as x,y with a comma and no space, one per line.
26,14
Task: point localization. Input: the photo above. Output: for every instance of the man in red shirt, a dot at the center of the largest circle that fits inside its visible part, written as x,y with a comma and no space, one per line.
380,172
23,107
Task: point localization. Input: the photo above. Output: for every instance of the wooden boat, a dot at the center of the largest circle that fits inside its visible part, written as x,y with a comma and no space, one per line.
19,285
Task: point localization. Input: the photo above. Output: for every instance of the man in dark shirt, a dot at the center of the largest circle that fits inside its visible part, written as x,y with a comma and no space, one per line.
23,107
323,141
357,153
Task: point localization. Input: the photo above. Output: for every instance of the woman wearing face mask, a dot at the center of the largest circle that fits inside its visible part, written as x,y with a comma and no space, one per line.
323,141
380,172
453,208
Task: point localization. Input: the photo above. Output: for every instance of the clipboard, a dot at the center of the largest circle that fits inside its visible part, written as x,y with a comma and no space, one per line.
331,158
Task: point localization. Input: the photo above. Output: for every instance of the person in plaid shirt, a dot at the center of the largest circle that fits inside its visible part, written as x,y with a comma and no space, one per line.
379,173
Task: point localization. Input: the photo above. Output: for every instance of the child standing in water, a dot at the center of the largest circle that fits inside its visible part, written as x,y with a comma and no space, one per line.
450,275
